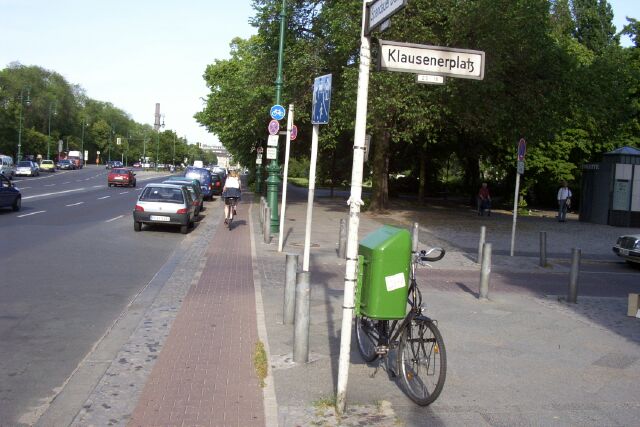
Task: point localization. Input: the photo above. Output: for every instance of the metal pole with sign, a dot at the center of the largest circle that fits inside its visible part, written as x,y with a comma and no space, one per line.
355,201
522,149
285,176
319,116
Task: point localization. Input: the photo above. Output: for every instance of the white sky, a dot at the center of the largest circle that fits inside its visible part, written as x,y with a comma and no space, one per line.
134,53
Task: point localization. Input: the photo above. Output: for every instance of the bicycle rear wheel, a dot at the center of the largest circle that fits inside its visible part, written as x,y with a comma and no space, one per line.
368,337
422,361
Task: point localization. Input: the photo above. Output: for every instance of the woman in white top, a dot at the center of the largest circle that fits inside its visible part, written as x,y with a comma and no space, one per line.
564,201
232,182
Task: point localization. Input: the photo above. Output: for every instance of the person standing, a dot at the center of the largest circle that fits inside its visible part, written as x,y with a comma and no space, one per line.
564,201
484,200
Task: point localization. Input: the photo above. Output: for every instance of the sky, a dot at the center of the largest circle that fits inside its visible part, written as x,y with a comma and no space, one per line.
136,53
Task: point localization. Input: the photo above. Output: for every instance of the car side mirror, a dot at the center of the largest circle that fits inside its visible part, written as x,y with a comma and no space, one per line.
134,174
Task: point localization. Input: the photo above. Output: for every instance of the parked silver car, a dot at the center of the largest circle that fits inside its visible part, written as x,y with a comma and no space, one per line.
164,204
27,168
628,247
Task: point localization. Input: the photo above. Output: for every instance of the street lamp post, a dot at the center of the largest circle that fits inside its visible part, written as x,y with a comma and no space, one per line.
174,151
51,106
84,124
158,143
22,100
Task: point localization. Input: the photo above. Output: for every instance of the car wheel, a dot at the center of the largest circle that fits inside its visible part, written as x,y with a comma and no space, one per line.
17,204
110,185
184,229
137,226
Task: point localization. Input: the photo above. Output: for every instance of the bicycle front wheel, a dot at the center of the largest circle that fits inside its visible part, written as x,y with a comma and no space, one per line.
422,361
368,337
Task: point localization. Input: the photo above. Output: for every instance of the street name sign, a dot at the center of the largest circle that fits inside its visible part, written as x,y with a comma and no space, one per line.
272,141
381,10
271,153
430,79
434,60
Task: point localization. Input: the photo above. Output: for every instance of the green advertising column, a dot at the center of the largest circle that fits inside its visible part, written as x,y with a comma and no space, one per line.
259,179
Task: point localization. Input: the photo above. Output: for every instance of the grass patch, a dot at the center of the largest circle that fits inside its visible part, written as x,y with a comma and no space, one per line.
299,182
260,362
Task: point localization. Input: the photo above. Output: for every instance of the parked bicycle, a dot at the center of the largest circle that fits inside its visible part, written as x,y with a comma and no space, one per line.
421,362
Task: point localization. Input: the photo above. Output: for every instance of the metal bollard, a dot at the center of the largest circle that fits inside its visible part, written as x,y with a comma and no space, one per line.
342,239
543,249
573,276
263,205
301,328
483,233
415,236
485,271
290,272
266,227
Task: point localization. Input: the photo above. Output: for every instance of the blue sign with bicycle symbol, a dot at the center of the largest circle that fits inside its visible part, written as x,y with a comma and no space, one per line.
277,112
321,100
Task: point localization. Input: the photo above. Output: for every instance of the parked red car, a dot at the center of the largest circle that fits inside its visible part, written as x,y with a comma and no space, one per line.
121,177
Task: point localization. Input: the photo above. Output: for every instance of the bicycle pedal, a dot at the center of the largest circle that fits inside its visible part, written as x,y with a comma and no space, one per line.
382,350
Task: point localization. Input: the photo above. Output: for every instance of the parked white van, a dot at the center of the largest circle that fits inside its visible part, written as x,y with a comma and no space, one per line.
7,168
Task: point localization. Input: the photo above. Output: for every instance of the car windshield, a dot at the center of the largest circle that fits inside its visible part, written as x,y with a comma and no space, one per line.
24,164
162,194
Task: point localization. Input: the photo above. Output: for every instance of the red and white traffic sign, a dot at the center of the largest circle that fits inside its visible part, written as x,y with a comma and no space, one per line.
294,132
274,127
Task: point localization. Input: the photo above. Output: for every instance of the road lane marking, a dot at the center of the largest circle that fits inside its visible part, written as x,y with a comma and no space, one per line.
113,219
97,186
124,192
68,182
32,213
105,197
49,185
53,194
24,188
75,204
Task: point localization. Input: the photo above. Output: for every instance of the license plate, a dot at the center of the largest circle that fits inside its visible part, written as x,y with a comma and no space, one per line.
159,218
624,251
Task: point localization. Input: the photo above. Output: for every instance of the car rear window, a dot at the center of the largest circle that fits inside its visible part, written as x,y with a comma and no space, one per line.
120,171
27,164
162,194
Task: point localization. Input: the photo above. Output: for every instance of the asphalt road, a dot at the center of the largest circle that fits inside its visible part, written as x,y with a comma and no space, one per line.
70,264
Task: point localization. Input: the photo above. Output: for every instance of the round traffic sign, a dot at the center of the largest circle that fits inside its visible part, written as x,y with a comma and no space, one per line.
259,150
294,132
277,112
274,127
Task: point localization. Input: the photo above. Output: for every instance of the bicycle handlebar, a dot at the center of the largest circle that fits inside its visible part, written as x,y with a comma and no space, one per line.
424,257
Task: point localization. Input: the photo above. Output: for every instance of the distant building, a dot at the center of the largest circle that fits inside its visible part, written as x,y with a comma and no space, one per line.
224,158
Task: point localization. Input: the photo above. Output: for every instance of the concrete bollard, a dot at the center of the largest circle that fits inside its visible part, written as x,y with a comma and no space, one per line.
301,327
573,276
342,239
483,232
415,237
290,272
543,249
485,271
266,226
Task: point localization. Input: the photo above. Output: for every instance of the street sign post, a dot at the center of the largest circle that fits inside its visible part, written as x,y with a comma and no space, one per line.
434,60
285,176
522,151
271,153
380,11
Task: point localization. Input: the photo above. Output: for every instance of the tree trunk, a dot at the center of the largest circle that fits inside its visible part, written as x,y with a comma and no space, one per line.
422,187
380,184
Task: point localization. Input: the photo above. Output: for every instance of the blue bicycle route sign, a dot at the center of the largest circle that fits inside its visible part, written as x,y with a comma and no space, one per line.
321,100
277,112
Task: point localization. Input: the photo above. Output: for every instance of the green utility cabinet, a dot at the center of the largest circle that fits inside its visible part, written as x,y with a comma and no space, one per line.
383,274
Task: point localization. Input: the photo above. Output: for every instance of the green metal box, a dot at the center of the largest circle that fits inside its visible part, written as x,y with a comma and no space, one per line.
383,276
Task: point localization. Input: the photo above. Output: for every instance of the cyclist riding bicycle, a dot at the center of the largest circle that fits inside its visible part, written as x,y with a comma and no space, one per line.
231,193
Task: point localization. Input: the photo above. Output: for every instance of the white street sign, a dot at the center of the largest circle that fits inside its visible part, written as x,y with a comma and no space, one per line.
435,60
429,79
381,10
259,160
119,141
271,153
272,141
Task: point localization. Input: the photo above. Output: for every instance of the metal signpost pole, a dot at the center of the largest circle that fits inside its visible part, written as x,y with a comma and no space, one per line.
312,189
283,204
522,149
355,201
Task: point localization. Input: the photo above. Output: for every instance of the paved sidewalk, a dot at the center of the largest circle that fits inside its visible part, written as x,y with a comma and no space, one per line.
205,375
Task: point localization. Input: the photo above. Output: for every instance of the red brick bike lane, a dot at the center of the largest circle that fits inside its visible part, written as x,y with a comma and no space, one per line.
204,375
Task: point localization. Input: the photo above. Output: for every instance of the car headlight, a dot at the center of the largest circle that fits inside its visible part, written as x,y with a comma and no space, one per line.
637,245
